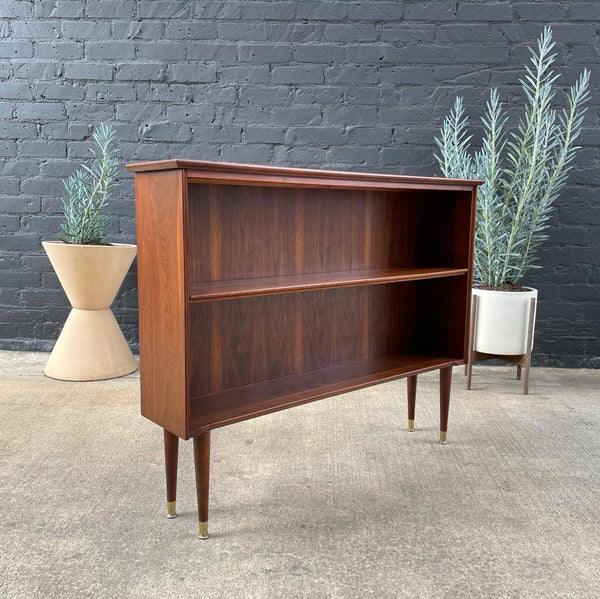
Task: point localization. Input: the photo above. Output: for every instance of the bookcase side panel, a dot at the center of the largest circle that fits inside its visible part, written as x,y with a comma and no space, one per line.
441,316
469,277
160,213
444,225
444,304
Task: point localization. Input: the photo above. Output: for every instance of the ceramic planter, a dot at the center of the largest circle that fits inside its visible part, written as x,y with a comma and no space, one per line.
502,321
91,345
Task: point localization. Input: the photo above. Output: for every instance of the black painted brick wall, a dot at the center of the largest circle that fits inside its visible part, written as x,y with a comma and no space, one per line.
350,85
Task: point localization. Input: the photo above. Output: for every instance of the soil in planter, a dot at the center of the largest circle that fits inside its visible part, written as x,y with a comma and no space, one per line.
505,287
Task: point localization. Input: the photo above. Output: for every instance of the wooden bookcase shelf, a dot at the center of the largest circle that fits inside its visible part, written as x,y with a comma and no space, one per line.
212,290
262,288
241,403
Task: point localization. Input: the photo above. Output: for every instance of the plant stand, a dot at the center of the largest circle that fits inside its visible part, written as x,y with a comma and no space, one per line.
522,360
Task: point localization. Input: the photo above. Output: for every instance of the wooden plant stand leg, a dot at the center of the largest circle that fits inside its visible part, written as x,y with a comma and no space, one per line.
526,381
519,368
445,385
411,391
472,334
202,464
171,455
529,346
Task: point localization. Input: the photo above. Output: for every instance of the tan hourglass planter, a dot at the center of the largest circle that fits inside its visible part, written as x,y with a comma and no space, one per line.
91,346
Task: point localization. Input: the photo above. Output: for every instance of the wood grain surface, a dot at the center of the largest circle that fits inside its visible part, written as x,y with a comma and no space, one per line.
162,293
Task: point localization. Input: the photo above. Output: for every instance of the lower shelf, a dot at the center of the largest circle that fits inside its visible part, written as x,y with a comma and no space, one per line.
226,407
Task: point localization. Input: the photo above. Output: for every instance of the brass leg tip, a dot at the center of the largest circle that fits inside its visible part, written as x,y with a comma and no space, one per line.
203,530
171,513
411,425
442,436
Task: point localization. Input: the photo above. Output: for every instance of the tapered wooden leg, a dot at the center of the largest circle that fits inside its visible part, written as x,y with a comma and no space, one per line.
411,391
470,348
171,454
202,464
518,372
445,384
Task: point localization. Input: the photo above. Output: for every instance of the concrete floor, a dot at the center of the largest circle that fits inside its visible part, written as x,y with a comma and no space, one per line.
332,499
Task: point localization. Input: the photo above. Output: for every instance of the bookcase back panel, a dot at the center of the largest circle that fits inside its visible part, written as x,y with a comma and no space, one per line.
240,232
244,232
242,341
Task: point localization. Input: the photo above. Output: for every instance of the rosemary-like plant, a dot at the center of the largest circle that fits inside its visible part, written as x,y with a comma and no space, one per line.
524,171
88,190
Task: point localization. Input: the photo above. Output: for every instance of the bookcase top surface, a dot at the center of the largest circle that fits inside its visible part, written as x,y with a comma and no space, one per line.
251,171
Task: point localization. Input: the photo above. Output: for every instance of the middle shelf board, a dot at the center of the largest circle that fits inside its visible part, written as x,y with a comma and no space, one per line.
214,290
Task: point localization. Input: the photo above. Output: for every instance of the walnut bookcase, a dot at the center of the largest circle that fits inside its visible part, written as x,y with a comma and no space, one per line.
262,288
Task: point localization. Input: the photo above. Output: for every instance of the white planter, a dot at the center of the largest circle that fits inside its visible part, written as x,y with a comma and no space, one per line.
91,345
503,321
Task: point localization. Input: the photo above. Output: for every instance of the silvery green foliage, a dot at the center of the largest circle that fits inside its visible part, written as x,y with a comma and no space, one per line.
523,171
88,190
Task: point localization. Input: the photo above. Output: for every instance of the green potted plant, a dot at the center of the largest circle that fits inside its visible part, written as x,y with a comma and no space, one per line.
524,172
91,345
